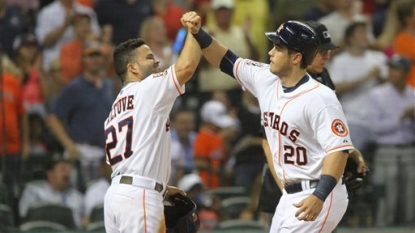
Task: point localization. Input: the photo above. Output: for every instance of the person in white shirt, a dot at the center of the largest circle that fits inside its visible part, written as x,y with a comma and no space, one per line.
54,26
354,72
392,117
55,190
95,193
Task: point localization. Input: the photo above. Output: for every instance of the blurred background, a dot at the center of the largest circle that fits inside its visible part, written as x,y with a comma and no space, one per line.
53,170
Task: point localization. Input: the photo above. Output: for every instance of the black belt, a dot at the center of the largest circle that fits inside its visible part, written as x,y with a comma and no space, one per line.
297,187
129,180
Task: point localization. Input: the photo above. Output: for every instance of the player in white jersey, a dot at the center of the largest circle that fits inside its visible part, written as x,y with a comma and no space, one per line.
304,123
137,135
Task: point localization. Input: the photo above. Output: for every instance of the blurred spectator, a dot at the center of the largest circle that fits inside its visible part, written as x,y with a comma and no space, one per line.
27,60
153,32
404,42
14,123
121,19
236,38
71,52
95,193
319,10
254,16
210,151
354,72
183,135
247,151
38,145
345,13
290,10
79,113
54,26
55,190
53,83
393,124
192,184
171,14
12,23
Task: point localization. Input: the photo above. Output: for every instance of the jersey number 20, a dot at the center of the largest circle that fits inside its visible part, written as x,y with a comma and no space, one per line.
124,126
296,155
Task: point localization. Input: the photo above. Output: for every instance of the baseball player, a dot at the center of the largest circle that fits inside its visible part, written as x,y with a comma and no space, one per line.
137,133
318,72
304,123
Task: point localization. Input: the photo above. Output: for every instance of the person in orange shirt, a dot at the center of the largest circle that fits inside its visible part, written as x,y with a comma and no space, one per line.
14,132
171,14
404,43
209,148
71,52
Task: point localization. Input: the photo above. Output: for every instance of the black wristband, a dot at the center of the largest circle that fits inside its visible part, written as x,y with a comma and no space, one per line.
203,38
324,187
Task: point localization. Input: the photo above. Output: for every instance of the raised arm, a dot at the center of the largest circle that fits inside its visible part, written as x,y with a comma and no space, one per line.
212,49
190,55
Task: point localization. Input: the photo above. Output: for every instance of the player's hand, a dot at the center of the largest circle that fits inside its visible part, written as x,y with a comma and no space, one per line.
309,208
191,21
171,190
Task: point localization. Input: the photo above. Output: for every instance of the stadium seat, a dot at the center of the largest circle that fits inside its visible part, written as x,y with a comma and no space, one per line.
232,207
41,226
52,213
97,214
96,227
227,192
241,226
6,217
34,168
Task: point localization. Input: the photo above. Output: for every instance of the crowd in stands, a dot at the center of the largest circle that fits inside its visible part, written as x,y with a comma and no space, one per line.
58,85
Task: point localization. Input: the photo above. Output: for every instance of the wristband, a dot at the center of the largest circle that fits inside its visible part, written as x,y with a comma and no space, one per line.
324,187
203,38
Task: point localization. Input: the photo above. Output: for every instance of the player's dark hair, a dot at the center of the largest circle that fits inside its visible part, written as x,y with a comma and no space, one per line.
290,51
124,54
351,29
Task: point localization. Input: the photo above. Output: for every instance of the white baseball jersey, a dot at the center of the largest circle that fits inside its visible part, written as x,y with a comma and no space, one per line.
137,129
302,125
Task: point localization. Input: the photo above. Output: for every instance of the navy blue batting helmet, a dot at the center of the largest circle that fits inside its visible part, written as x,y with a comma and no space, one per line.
297,36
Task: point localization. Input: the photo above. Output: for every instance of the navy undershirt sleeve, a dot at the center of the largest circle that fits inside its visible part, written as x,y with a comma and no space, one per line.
227,63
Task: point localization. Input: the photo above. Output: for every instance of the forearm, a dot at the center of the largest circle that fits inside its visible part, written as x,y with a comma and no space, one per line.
54,36
348,86
268,156
188,60
59,131
334,164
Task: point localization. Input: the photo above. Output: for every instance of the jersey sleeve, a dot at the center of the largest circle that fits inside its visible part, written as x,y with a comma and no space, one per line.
248,73
162,89
331,129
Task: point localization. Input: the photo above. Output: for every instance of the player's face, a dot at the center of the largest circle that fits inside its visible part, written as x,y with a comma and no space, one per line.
280,60
146,62
319,62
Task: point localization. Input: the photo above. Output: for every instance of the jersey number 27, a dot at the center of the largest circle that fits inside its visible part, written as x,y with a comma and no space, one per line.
125,126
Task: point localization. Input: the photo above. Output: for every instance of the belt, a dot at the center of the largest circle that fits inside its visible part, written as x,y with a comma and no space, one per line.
303,185
300,186
141,182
